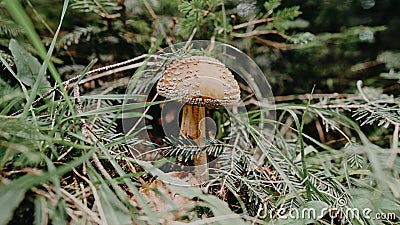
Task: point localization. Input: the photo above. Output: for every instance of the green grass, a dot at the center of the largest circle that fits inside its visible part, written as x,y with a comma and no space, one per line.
63,154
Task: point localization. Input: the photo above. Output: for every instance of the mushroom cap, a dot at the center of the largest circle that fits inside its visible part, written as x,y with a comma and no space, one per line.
199,80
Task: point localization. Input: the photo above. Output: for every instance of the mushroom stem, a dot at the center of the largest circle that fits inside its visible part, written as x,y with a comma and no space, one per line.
191,128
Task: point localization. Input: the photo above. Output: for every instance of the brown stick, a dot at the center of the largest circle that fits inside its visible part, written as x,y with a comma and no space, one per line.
191,128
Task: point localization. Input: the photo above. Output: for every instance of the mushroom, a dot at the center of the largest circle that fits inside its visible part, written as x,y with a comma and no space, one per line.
199,82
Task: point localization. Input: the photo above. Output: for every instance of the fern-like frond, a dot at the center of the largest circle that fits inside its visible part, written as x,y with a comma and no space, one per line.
382,115
76,36
10,29
186,148
105,8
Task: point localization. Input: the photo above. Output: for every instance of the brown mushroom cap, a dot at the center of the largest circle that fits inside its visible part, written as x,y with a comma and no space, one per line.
199,80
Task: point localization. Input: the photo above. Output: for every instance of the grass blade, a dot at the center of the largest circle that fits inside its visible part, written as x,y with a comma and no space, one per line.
17,12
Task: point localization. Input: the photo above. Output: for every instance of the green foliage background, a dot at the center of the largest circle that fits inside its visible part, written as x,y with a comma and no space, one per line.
333,67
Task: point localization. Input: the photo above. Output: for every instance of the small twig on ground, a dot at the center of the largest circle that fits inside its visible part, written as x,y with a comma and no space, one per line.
155,17
104,12
96,197
141,117
275,44
252,23
111,69
190,38
257,33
